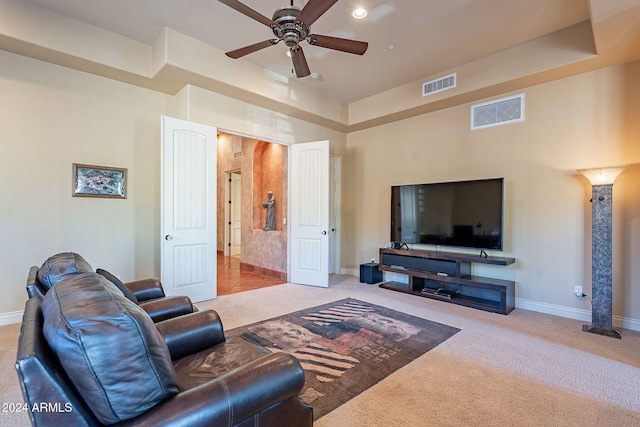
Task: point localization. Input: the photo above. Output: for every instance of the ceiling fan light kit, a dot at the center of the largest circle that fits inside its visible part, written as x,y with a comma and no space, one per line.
292,25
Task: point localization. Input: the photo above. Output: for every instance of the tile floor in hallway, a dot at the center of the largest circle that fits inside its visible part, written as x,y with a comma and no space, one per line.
232,280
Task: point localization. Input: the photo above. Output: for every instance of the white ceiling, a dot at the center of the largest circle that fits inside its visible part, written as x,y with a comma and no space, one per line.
428,36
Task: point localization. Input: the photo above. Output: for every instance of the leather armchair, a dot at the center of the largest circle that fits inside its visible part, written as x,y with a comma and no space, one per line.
220,382
147,293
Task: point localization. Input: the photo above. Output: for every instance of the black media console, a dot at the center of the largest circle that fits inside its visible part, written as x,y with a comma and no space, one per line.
447,276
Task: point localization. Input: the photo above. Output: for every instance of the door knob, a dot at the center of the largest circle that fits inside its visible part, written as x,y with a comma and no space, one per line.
168,237
324,233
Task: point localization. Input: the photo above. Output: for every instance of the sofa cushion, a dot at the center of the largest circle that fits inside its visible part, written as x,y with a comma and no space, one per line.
61,265
108,346
113,279
206,365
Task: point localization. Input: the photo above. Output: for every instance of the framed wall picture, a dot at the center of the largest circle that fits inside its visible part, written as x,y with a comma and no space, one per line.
99,181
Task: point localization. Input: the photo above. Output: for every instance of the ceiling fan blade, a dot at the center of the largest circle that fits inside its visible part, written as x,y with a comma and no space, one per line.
239,53
246,10
337,43
300,63
314,10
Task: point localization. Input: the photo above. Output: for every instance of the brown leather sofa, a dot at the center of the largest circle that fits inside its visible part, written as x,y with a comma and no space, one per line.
147,293
95,358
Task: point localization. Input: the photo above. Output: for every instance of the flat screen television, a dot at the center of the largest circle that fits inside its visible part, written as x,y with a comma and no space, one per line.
463,213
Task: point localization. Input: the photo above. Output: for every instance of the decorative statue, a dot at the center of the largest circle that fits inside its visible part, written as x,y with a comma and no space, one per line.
270,206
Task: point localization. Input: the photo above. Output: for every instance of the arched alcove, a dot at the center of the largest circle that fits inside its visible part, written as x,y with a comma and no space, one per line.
267,176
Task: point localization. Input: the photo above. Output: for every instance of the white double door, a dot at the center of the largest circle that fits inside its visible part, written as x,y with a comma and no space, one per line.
309,232
188,210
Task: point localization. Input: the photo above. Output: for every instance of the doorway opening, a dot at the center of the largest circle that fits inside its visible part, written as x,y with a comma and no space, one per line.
231,279
233,225
248,169
249,255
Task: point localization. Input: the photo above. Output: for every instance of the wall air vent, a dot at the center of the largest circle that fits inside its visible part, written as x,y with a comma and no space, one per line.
438,85
498,112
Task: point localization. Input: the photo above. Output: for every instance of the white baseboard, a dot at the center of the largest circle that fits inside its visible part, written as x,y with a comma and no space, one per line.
350,271
9,318
540,307
574,313
554,309
626,323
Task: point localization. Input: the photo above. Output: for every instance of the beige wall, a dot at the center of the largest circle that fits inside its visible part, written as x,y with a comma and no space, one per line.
237,117
585,121
52,117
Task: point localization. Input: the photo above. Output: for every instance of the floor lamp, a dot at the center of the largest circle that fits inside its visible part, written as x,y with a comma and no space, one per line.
601,267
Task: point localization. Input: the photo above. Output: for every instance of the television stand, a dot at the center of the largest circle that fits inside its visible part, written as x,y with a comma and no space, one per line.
446,276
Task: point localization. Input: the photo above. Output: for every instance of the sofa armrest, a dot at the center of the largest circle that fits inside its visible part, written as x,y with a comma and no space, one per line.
146,289
34,290
191,333
233,397
167,308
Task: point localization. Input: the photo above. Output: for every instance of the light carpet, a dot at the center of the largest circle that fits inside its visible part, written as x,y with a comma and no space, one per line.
524,369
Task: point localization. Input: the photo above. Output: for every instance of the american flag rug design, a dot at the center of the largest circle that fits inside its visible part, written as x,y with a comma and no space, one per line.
346,346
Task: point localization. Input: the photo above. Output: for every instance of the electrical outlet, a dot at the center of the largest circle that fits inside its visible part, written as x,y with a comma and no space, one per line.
373,260
578,291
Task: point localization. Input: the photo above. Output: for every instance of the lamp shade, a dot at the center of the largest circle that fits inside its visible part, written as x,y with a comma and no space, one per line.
602,176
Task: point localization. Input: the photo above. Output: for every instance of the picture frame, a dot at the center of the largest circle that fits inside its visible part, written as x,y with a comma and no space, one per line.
99,181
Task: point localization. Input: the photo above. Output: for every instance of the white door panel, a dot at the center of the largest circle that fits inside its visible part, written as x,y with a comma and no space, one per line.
188,209
310,213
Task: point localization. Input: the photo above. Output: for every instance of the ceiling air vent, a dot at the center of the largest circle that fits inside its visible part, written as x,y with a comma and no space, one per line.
498,112
438,85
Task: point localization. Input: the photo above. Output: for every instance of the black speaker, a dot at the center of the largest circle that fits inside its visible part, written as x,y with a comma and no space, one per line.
369,273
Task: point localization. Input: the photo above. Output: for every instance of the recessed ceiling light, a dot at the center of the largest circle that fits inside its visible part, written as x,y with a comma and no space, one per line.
359,13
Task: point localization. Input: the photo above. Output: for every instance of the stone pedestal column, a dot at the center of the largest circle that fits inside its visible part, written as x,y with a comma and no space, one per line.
601,267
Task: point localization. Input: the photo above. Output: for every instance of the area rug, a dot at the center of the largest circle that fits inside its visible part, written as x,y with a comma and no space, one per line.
346,346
